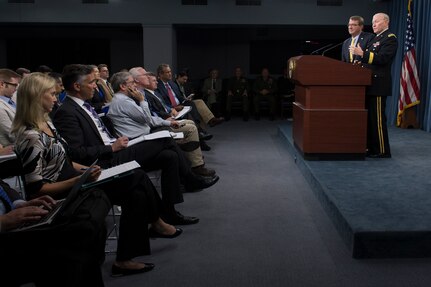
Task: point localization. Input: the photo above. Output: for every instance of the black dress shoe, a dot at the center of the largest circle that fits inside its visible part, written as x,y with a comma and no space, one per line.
200,182
154,234
205,136
118,271
179,219
204,146
215,121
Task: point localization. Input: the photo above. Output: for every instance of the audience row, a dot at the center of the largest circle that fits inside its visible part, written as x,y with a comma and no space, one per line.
58,134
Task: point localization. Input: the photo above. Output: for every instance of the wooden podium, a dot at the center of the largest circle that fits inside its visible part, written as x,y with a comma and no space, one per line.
329,115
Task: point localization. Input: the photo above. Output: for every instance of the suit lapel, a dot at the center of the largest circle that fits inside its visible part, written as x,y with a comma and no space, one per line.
83,114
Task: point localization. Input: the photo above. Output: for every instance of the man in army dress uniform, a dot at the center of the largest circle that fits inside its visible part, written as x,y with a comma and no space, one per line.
238,87
378,57
265,87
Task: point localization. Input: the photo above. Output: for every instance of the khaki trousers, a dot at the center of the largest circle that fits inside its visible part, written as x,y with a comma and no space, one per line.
203,111
190,143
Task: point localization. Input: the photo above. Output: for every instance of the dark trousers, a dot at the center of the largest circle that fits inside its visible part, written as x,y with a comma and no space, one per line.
243,99
377,131
163,154
140,205
62,254
270,98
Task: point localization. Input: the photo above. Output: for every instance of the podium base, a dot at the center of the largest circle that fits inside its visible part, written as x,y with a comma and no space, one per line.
330,156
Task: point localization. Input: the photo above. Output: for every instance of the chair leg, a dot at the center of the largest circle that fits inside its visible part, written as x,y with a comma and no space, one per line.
114,228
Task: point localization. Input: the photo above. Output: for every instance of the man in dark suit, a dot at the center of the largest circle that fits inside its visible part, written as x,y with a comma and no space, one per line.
378,56
173,97
88,140
357,38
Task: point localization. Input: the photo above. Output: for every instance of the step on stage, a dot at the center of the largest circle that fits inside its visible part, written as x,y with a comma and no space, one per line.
381,207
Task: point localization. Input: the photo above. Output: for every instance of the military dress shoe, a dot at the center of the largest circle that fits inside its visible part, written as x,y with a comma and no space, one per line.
215,121
205,136
119,271
179,219
154,234
203,171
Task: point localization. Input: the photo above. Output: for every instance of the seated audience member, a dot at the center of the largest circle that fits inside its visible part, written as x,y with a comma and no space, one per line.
173,97
44,69
68,252
134,120
238,88
182,81
9,81
23,72
102,94
9,166
158,107
103,81
211,91
93,142
49,172
59,92
265,88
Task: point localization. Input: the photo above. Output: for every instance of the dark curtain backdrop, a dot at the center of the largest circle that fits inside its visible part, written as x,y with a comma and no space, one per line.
422,28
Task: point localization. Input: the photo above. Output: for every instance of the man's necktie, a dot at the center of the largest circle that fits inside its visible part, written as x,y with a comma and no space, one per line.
96,116
6,200
12,103
352,44
171,95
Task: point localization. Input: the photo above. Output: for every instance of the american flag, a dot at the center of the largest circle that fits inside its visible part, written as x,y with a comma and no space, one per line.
409,82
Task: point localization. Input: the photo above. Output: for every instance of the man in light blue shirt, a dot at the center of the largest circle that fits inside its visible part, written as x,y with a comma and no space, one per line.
9,81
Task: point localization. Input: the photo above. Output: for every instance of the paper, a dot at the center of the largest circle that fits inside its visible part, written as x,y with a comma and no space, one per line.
114,172
156,135
184,111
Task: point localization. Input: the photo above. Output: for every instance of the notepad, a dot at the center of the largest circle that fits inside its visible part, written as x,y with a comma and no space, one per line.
156,135
114,172
183,112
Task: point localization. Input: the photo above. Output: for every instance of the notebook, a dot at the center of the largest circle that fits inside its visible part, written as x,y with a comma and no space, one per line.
156,135
114,172
61,204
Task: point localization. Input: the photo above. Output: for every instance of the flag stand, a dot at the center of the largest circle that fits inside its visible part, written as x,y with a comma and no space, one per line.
408,119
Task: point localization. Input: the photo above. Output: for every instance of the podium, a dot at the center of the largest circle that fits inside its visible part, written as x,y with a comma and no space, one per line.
329,115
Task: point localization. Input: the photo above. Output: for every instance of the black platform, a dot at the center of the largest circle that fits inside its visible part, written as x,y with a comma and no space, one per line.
381,207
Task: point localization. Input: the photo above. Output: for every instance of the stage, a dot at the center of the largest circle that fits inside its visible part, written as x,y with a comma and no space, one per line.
381,207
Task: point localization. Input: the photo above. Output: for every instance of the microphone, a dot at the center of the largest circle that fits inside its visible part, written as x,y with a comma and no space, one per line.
320,49
335,46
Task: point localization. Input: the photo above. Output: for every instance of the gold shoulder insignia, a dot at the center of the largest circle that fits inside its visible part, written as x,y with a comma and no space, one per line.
392,35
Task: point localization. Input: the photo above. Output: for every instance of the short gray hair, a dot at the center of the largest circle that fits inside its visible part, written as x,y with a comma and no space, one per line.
119,78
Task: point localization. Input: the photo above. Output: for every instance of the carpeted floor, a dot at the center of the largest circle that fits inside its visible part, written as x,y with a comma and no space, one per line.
262,225
381,206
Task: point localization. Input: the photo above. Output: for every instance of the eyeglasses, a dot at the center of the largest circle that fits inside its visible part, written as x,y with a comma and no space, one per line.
12,84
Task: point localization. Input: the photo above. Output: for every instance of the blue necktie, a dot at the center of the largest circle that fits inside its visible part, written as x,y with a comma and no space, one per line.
12,103
96,116
5,198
